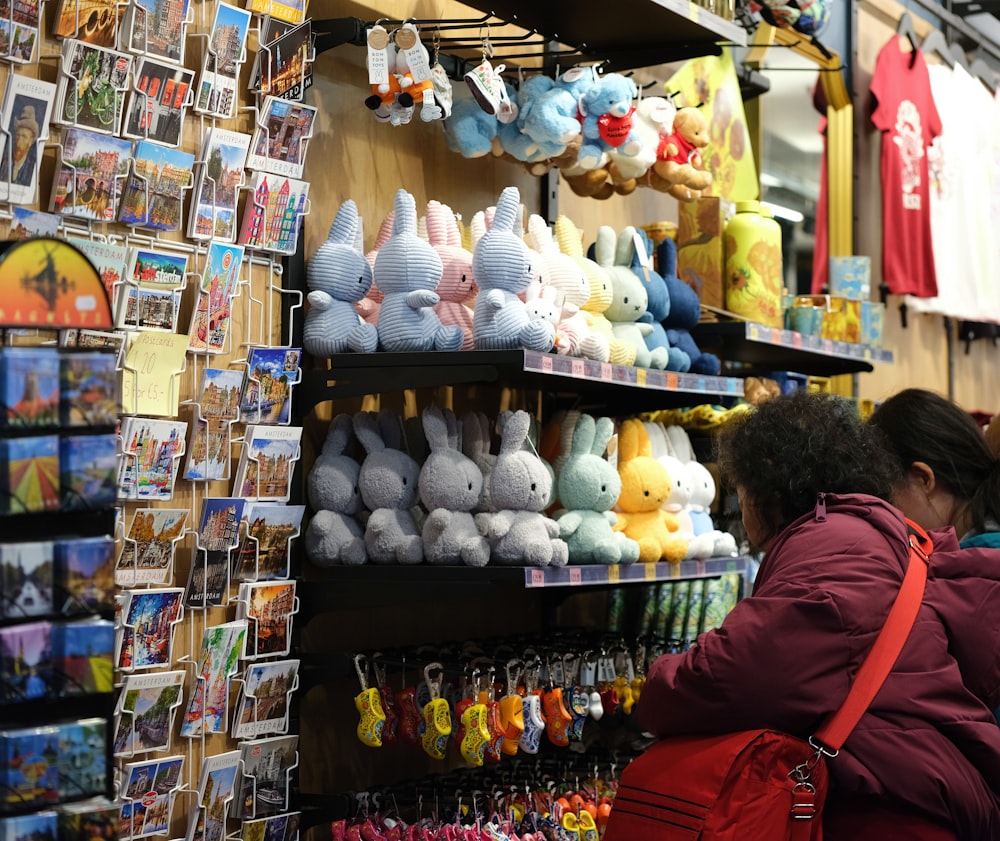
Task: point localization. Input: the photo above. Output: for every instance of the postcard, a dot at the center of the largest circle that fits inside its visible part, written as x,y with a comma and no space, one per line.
219,81
293,11
215,795
29,756
26,667
24,117
29,386
208,455
210,322
268,609
265,548
153,196
267,768
88,389
273,213
145,712
109,260
88,470
84,575
33,223
263,705
98,339
267,462
88,820
267,391
277,828
149,308
84,656
283,65
151,267
92,86
149,792
83,763
88,178
150,453
147,631
31,479
148,549
281,138
20,29
219,397
216,191
93,21
155,27
218,537
37,826
26,579
151,373
221,648
159,101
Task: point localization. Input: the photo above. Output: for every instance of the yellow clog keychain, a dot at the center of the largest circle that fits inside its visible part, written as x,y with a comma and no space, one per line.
474,735
437,715
369,706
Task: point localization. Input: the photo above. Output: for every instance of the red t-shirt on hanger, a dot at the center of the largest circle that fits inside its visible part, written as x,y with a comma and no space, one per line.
905,114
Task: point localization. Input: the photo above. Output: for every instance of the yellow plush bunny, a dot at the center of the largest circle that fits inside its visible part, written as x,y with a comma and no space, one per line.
645,486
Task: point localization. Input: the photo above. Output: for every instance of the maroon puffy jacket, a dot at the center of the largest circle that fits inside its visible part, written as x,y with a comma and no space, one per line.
786,656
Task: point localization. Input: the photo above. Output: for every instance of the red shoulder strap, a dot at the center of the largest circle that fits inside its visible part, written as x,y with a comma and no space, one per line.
875,669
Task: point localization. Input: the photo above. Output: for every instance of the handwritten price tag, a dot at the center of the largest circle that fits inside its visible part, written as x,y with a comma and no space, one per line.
149,377
575,576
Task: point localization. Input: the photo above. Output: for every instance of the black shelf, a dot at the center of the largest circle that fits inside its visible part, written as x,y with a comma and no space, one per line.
357,374
639,33
50,525
756,348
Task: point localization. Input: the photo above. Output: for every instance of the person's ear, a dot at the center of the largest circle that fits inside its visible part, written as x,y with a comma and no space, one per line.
922,474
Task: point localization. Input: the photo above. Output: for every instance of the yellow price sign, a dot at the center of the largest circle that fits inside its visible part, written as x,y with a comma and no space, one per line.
650,571
614,574
640,376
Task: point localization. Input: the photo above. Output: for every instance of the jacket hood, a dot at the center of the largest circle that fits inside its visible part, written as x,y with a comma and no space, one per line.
963,586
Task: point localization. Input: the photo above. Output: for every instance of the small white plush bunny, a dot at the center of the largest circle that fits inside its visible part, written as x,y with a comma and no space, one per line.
520,486
450,484
334,535
388,484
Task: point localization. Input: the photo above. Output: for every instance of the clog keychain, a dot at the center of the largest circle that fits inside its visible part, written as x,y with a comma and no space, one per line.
410,718
437,715
534,724
369,707
588,679
487,697
639,681
579,697
473,737
388,699
557,718
606,683
622,684
511,710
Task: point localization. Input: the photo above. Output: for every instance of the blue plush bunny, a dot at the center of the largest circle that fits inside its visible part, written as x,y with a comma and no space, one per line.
685,312
502,266
658,305
338,275
408,271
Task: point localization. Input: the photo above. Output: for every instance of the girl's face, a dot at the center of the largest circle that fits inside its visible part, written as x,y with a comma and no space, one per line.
758,533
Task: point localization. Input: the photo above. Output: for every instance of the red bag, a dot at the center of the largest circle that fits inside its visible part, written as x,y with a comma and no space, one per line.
758,785
740,786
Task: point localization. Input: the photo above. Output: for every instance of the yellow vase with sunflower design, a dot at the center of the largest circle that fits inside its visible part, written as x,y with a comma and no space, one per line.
753,266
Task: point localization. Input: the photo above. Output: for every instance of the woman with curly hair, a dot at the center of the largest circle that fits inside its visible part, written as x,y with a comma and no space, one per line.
924,762
950,470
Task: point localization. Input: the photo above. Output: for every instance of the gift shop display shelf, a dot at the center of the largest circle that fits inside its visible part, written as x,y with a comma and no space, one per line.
746,347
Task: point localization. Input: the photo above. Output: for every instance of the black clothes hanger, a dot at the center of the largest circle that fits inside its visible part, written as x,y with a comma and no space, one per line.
904,27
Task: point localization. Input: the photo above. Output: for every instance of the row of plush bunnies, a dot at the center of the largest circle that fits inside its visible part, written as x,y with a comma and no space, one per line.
466,505
412,293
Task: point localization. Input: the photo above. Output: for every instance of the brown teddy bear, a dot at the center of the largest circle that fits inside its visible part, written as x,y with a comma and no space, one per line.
679,168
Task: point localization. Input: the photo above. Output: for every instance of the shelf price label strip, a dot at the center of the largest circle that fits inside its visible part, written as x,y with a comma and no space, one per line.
815,344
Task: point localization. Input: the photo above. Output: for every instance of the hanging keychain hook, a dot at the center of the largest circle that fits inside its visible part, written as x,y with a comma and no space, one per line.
361,667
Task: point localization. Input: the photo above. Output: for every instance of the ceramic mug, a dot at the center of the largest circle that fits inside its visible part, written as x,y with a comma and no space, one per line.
807,320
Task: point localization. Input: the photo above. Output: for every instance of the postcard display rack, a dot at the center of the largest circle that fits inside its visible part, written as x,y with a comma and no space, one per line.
143,111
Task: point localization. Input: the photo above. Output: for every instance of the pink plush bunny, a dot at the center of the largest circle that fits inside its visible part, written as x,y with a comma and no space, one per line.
457,288
368,306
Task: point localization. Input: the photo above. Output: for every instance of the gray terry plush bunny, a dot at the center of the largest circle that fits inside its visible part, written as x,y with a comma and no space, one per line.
520,486
450,484
334,535
476,445
388,483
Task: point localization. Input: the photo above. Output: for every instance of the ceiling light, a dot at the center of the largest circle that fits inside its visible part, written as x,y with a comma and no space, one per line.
783,212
